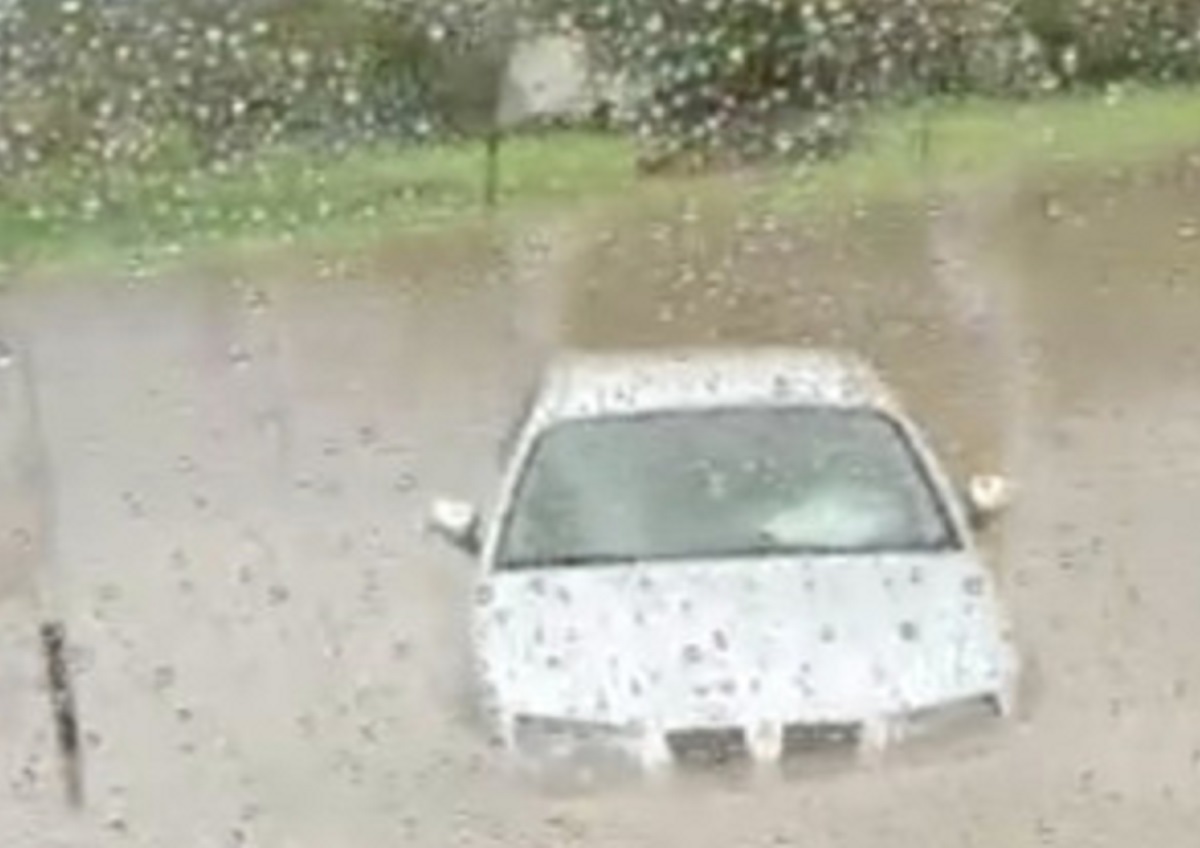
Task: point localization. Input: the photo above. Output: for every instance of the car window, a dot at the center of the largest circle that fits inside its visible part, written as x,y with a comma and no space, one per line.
722,483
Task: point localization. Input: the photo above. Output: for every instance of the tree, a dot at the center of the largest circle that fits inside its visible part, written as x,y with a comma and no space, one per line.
217,79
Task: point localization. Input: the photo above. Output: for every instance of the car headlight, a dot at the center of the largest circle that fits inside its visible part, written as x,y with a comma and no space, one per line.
555,736
950,716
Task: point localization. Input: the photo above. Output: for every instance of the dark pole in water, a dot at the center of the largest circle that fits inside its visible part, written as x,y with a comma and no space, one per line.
63,708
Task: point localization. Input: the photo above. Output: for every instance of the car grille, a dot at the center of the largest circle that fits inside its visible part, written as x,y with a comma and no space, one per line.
806,739
813,740
708,747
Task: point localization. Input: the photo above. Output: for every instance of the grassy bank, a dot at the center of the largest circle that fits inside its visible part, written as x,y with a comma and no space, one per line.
58,215
978,142
64,215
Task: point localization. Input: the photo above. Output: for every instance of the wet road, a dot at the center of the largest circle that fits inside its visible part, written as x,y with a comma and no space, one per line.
270,653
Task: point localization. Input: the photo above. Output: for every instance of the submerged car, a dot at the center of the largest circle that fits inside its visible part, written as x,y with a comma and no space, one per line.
744,551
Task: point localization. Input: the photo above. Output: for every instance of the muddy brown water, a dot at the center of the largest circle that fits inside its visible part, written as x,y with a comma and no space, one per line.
269,651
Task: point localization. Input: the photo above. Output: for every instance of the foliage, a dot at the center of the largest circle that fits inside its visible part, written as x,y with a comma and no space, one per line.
1147,40
763,76
91,81
203,83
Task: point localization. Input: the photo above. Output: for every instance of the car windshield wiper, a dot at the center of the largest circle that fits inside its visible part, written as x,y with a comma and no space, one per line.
568,561
749,552
835,550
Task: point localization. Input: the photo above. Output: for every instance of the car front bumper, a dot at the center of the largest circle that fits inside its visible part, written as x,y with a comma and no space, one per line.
552,739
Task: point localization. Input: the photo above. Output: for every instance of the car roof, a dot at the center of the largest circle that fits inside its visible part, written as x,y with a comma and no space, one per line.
592,384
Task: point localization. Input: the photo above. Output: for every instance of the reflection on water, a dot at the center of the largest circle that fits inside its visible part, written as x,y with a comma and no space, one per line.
243,452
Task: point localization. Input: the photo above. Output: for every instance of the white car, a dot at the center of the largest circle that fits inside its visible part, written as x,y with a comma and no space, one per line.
743,552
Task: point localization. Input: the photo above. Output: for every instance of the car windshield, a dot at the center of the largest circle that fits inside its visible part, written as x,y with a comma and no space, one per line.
721,484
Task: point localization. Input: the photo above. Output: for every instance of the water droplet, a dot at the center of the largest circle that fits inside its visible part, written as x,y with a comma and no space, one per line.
164,677
239,357
133,504
109,593
22,539
367,435
257,300
81,659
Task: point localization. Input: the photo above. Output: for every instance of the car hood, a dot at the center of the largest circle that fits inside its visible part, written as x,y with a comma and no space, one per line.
697,644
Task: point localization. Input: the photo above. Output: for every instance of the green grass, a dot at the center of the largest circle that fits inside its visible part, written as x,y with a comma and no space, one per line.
295,193
969,143
377,190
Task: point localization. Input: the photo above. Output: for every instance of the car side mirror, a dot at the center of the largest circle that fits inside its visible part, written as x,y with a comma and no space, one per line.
988,496
458,523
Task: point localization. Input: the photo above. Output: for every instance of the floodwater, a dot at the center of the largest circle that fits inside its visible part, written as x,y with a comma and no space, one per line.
268,650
